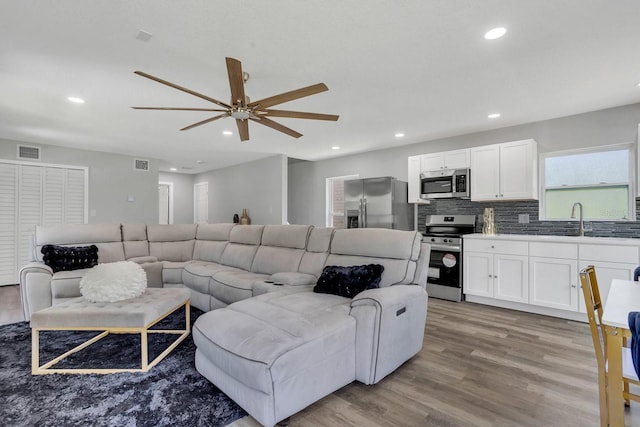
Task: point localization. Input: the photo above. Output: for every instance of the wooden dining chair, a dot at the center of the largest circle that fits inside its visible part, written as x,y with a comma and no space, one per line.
593,304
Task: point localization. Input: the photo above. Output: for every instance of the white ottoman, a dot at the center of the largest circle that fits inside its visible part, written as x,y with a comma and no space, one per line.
132,316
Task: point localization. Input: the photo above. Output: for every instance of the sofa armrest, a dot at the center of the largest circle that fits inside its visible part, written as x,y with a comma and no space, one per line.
389,329
35,287
294,279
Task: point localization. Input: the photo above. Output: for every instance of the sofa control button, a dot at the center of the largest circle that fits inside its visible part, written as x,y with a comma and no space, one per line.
401,311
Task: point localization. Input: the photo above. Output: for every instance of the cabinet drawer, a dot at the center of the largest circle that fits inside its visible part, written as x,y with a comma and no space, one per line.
610,253
553,250
497,246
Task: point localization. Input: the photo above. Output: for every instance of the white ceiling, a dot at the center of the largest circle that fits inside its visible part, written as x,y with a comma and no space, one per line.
414,66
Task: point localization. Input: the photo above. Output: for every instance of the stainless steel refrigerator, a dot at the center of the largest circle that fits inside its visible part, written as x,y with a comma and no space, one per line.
377,203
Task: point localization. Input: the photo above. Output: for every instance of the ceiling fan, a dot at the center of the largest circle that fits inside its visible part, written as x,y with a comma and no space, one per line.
242,109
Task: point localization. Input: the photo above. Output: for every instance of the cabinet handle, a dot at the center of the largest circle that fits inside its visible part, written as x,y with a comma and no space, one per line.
573,286
502,195
492,247
490,276
496,195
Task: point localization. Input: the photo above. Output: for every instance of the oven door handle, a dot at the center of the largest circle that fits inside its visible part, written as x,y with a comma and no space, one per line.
444,247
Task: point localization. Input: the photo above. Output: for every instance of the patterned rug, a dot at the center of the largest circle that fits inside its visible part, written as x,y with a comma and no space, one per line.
172,393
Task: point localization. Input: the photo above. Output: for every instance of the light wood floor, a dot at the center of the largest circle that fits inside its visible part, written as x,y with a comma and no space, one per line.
479,366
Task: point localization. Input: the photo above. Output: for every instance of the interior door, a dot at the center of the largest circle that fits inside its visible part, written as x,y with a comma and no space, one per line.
201,202
163,204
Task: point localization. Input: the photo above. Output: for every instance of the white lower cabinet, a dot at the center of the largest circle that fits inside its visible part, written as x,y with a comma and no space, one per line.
496,273
541,274
553,283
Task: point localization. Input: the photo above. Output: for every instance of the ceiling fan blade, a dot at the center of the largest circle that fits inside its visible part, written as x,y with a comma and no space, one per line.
277,126
177,109
243,129
299,115
206,121
183,89
289,96
236,82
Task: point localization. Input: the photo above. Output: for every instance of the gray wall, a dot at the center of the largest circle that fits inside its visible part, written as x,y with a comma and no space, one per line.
307,180
112,179
259,186
182,196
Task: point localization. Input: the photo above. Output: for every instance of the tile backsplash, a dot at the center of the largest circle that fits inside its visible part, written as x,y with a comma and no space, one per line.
507,215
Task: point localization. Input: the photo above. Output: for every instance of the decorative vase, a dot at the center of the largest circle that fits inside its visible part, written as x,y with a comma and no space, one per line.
488,225
236,218
244,218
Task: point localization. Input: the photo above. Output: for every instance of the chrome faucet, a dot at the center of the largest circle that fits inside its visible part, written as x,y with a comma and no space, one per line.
573,215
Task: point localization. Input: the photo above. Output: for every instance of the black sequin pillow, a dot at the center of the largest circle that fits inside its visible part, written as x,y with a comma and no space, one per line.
66,258
348,281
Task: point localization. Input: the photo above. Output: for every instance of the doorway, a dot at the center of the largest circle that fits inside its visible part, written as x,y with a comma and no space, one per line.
201,202
165,203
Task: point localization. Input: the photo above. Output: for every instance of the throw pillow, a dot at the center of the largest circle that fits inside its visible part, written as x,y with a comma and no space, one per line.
348,281
65,258
114,281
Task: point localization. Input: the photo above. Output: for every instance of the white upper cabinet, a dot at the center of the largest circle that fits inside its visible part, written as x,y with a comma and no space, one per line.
507,171
413,184
456,159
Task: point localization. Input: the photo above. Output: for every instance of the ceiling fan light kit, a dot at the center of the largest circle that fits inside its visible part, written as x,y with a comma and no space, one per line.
242,109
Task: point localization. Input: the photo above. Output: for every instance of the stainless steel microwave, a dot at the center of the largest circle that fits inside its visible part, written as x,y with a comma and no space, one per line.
445,184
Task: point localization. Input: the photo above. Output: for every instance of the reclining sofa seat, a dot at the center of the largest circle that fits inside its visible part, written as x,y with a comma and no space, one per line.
41,287
277,353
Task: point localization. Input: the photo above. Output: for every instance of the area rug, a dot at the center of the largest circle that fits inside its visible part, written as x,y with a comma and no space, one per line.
172,393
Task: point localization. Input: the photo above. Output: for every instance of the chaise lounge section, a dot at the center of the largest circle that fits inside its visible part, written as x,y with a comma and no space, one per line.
277,353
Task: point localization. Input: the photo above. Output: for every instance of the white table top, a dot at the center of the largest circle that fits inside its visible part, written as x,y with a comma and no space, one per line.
624,297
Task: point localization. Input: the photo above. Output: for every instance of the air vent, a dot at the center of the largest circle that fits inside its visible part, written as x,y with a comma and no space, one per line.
141,165
26,152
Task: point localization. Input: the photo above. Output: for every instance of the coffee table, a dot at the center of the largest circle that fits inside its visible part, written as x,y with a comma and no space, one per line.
132,316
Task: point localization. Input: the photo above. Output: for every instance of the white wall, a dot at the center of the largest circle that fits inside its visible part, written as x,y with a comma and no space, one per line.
112,179
259,186
182,196
307,179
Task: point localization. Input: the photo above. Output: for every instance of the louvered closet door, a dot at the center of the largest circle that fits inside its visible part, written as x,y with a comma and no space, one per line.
29,209
33,195
8,215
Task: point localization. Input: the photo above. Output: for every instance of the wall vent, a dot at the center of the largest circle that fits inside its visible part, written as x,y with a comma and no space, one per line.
27,152
141,165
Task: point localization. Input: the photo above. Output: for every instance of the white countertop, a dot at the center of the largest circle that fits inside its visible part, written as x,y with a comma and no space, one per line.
559,239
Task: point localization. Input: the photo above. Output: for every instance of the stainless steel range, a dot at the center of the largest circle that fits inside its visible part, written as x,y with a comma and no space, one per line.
444,233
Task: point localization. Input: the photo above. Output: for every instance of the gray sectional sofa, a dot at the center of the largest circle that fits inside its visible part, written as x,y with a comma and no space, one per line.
266,340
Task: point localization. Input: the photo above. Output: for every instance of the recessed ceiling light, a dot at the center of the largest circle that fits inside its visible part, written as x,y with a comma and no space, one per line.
173,169
227,132
495,33
493,115
76,99
399,135
335,147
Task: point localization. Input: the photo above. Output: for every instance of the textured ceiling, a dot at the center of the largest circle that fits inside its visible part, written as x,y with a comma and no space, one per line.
418,67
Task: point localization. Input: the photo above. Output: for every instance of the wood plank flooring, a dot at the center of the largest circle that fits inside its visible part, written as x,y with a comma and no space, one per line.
479,366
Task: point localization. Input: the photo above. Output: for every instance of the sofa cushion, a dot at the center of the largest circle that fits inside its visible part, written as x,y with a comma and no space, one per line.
134,232
230,286
317,251
66,284
197,274
378,243
246,234
272,337
214,231
286,236
66,258
171,242
107,237
348,281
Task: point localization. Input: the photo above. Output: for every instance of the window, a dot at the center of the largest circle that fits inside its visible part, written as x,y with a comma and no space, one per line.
600,178
335,200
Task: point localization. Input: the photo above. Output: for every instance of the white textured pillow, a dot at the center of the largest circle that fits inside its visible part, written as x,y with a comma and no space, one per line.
114,281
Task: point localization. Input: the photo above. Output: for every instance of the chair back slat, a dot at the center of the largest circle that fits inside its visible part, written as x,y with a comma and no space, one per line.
593,304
